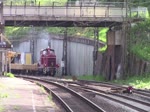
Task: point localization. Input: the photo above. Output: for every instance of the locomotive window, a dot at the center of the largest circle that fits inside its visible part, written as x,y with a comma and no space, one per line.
52,52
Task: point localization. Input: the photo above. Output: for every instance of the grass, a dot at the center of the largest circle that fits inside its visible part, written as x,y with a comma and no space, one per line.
16,107
91,77
3,95
2,108
44,91
140,82
50,97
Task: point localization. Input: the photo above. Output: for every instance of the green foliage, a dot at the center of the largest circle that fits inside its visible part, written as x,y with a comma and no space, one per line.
72,31
103,49
142,51
145,3
102,34
21,32
140,14
9,75
140,40
14,32
91,77
141,82
3,95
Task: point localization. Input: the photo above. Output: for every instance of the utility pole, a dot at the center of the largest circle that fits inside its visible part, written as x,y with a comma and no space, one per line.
32,43
125,29
64,58
1,32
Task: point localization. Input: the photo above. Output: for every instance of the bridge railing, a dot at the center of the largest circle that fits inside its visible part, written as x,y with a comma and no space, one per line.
65,11
71,9
61,3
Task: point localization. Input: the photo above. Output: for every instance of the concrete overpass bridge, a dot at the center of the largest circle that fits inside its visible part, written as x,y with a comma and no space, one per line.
68,15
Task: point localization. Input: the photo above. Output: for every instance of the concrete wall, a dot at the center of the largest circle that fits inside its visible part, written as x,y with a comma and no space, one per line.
80,59
22,47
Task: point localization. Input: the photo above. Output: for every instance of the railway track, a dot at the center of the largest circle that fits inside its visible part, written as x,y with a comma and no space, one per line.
124,100
71,100
145,94
106,84
86,87
138,94
144,103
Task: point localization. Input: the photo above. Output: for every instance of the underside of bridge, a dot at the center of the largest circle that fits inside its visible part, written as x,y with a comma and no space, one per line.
62,23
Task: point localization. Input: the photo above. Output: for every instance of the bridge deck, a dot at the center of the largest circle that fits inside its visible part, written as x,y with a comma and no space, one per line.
63,16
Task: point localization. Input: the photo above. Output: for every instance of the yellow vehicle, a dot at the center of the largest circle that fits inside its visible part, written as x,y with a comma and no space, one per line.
11,56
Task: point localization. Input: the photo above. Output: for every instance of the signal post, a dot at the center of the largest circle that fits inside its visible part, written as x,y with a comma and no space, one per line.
1,31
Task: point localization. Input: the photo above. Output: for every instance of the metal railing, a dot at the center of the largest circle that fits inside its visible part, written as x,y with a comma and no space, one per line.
70,9
64,3
65,11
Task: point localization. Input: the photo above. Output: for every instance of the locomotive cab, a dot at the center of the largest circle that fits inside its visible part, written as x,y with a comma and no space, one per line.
47,62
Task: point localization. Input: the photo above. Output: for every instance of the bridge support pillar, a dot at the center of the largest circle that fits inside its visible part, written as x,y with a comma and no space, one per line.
114,55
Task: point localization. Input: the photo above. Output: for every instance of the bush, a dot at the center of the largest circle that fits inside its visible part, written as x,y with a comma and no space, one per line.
9,75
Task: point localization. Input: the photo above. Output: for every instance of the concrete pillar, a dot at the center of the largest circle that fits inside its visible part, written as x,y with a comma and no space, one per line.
113,54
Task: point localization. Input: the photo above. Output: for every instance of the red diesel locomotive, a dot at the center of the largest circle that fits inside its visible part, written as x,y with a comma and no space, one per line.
47,65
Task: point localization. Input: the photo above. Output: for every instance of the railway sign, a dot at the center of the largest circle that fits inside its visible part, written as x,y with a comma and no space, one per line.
5,45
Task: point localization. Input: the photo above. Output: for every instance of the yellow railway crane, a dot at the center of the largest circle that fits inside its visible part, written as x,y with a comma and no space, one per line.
11,55
5,45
